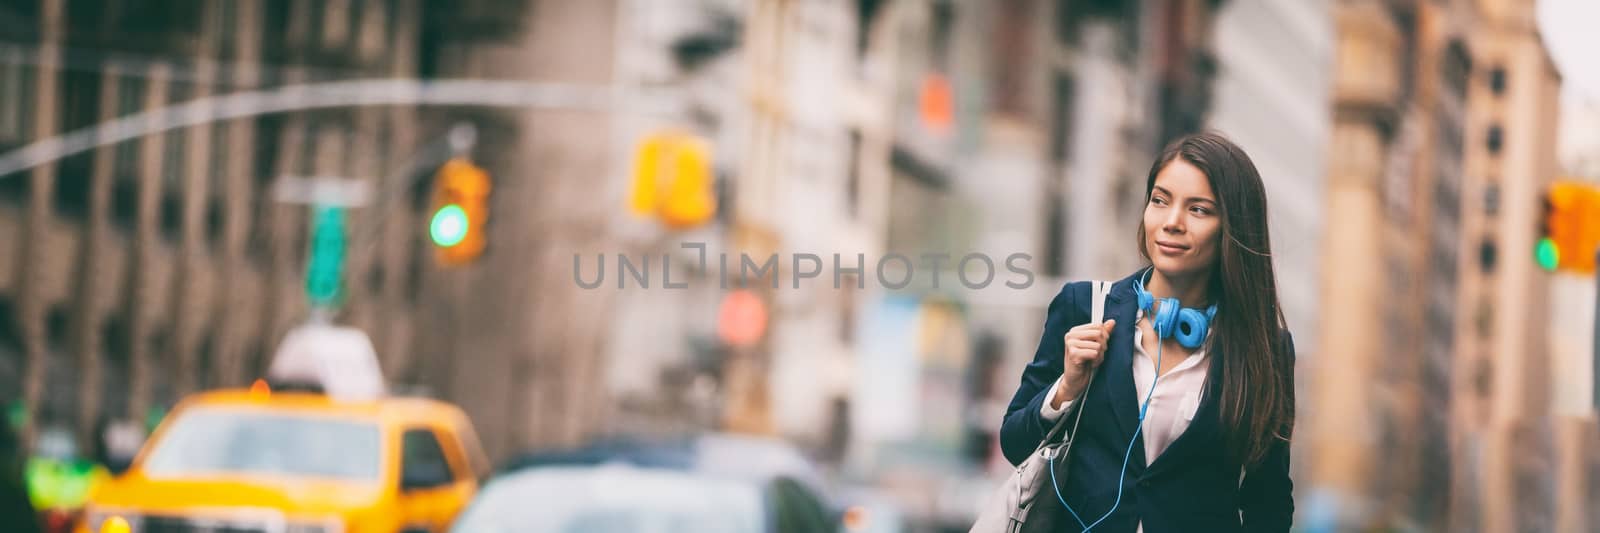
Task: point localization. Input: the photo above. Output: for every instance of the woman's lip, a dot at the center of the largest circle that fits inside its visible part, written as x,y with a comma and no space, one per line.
1170,248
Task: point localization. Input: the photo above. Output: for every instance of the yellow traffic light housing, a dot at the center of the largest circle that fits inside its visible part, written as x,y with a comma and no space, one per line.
1570,228
460,208
673,180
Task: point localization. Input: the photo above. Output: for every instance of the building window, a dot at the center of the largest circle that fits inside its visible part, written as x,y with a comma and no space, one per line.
217,167
276,25
263,168
125,201
57,324
16,121
80,94
852,185
227,29
11,103
16,100
318,16
268,140
1066,23
13,365
847,309
10,332
1488,252
1063,96
375,279
130,100
22,120
178,19
131,91
944,16
1495,139
1457,68
1408,55
214,222
174,156
14,188
1011,56
116,339
1071,16
73,184
171,215
1055,234
1446,198
866,12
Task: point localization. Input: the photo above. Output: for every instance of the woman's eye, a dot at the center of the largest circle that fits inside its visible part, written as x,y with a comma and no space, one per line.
1200,210
1158,200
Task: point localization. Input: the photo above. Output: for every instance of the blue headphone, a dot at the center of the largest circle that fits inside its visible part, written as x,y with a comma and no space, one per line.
1172,320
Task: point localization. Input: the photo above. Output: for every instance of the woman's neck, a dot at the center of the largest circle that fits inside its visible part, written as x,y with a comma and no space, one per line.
1191,291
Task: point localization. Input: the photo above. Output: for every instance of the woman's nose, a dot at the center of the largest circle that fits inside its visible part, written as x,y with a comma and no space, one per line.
1174,221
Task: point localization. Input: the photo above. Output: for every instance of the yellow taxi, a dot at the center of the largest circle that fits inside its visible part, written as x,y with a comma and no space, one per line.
262,461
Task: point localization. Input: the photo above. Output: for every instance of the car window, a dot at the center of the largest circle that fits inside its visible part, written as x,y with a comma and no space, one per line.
422,460
205,441
796,509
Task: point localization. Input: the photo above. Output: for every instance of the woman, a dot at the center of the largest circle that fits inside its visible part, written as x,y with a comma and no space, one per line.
1204,446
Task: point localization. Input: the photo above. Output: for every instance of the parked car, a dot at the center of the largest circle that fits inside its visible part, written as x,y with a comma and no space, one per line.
711,484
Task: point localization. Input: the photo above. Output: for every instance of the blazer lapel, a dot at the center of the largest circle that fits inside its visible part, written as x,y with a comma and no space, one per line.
1121,306
1200,429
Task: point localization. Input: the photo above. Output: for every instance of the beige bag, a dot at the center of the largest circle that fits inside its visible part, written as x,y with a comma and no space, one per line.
1010,509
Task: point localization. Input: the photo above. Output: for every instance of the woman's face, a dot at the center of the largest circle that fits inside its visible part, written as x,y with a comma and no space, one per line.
1182,225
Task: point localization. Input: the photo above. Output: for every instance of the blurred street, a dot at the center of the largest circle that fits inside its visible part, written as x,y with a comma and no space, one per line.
508,266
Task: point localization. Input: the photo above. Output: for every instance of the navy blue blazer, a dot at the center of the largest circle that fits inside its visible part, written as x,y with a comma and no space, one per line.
1192,486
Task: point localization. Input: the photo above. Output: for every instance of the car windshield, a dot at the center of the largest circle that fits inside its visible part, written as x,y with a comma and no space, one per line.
613,499
210,441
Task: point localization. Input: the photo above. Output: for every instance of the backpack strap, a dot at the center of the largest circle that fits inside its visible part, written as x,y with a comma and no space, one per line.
1098,289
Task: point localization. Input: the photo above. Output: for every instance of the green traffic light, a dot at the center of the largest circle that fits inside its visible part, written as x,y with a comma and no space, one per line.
449,226
1548,254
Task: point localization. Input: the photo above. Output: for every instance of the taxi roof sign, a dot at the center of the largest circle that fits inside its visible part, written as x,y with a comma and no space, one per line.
339,359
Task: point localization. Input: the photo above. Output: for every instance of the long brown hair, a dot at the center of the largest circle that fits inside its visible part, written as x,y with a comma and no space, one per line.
1247,344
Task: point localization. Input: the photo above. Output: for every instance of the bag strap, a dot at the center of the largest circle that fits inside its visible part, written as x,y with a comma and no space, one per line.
1096,315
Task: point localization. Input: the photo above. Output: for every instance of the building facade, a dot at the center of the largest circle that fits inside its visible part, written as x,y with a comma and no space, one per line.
1430,302
1512,148
147,269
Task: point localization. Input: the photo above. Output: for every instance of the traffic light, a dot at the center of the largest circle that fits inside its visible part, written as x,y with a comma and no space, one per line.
325,269
1546,253
1570,228
673,180
460,208
742,318
935,104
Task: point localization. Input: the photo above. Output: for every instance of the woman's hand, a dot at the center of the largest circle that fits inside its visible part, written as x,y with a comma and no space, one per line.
1086,344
